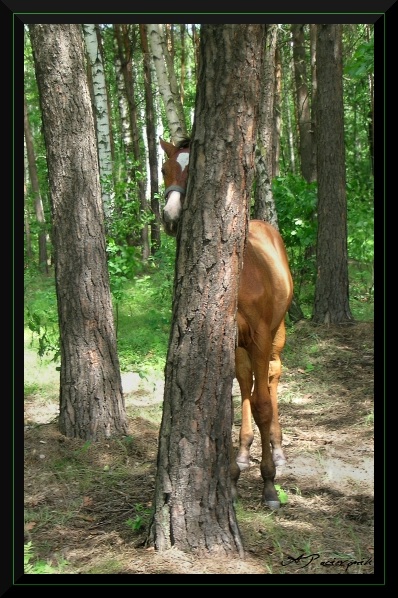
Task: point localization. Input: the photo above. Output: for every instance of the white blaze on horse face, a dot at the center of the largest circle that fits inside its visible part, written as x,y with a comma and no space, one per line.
173,207
183,160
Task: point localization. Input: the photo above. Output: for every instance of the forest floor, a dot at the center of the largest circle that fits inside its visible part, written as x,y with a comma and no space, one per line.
87,507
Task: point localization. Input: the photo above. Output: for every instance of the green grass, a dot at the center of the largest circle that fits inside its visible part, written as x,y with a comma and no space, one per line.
142,319
143,326
32,565
41,379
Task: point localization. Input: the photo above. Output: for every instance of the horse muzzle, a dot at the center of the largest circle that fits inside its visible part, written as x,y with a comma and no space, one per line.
172,210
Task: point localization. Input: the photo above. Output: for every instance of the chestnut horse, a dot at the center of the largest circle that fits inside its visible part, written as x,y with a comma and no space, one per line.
264,296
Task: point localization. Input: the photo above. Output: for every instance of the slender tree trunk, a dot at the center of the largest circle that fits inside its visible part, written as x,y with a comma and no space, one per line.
167,85
172,77
371,110
289,132
108,95
102,118
125,123
264,204
313,33
152,145
196,44
34,181
125,54
331,304
28,237
183,66
303,104
276,136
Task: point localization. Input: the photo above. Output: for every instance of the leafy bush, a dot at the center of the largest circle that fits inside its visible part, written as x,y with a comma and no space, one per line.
296,201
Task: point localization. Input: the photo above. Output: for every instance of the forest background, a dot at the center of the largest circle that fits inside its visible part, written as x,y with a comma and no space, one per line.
140,257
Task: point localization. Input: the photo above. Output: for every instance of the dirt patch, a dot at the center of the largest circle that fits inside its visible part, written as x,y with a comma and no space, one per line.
87,507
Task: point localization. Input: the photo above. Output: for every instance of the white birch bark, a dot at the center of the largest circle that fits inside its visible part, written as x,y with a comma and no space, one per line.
170,100
102,116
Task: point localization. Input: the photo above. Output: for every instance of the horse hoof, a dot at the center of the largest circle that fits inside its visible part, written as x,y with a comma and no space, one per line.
243,465
273,504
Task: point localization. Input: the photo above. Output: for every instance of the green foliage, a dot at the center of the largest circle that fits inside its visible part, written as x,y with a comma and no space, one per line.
361,290
47,337
123,262
296,201
282,495
360,224
141,518
361,62
38,566
163,263
41,315
144,323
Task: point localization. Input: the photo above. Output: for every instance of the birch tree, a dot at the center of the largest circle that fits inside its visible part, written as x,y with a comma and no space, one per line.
167,85
102,116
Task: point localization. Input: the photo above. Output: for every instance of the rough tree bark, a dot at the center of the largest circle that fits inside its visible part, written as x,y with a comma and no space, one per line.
193,507
91,399
331,304
264,204
306,136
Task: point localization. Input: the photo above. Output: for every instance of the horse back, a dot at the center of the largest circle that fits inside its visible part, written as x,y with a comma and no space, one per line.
266,287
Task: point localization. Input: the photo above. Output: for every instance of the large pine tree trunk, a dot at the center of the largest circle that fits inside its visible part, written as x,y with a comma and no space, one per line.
193,507
91,399
331,305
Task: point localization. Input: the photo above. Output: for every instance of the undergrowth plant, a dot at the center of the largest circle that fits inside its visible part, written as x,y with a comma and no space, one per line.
38,566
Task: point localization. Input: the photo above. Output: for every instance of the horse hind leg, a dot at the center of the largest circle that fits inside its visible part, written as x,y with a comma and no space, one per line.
262,408
262,413
274,374
244,374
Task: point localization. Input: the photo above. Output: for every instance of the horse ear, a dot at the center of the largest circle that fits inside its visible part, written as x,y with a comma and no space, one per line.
167,147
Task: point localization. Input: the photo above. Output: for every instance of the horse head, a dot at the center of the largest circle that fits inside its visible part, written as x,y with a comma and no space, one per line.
175,175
